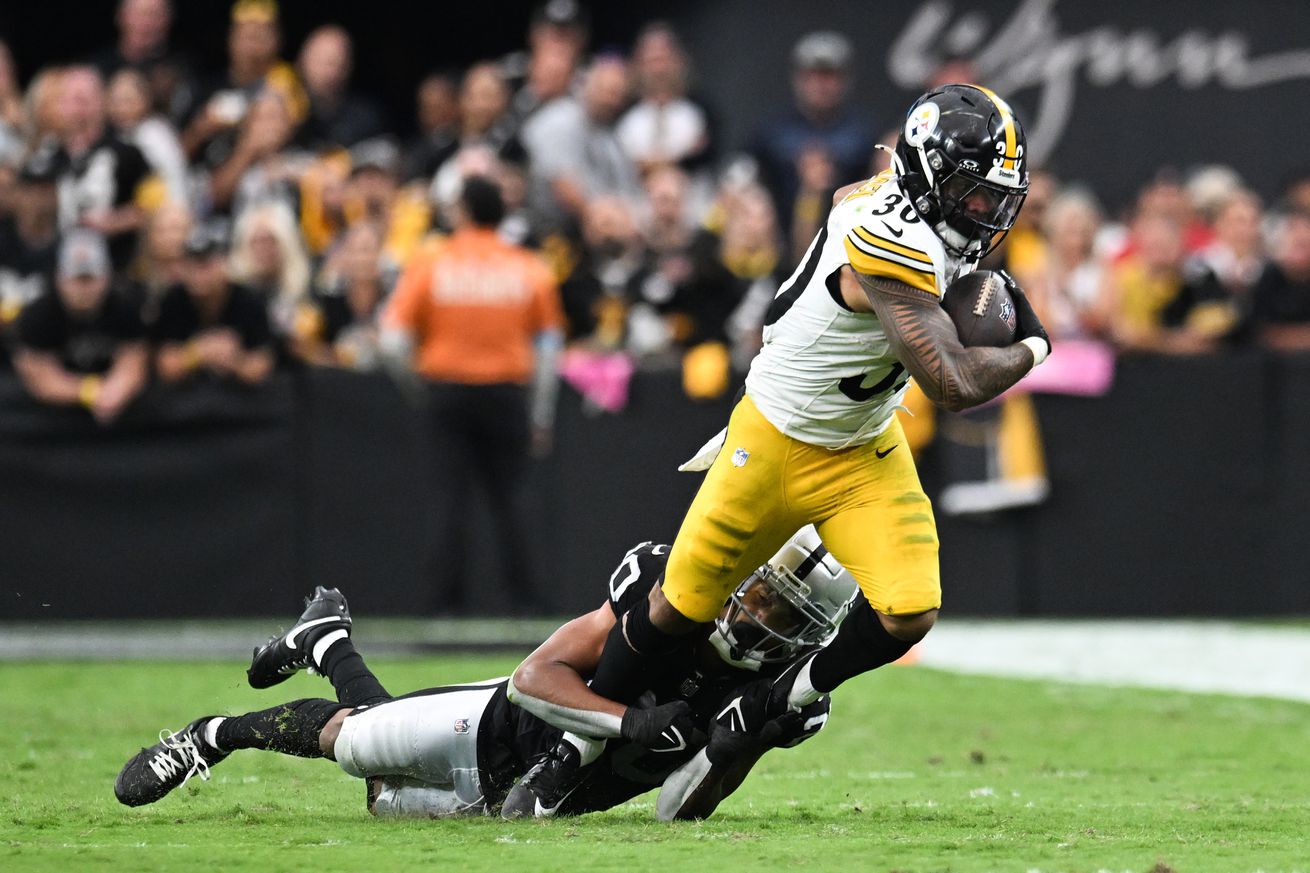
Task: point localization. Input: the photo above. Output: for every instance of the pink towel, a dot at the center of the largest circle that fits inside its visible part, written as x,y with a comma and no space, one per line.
600,377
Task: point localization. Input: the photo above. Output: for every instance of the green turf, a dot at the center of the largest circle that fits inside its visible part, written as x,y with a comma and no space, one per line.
917,771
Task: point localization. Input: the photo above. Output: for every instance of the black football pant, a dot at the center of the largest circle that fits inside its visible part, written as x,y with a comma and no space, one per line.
481,436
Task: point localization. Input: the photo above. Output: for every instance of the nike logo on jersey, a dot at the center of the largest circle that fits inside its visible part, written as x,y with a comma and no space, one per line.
896,232
881,454
674,738
300,628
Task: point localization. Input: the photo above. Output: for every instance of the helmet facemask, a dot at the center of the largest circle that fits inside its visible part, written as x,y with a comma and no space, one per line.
771,618
979,209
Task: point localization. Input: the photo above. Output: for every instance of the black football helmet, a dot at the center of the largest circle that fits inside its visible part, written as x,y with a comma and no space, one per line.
962,164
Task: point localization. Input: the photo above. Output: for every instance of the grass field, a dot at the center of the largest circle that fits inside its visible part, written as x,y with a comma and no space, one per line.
918,770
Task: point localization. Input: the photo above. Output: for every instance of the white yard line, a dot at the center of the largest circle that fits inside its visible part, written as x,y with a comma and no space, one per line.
1205,656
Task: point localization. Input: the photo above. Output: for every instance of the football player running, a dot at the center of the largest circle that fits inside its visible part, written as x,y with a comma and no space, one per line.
815,439
459,749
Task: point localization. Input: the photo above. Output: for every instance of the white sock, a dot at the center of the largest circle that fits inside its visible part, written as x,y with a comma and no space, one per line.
802,692
211,732
326,642
588,749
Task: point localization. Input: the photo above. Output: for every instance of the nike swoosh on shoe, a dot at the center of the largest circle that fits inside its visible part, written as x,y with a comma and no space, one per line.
290,638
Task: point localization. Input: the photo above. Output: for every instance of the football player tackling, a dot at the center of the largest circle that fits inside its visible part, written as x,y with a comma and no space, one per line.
815,438
458,749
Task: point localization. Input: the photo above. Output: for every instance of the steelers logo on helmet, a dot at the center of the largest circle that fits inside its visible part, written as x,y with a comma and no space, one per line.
962,166
922,123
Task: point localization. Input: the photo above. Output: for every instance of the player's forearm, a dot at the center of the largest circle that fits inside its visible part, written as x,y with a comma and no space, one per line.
696,789
46,380
556,694
254,366
974,376
925,340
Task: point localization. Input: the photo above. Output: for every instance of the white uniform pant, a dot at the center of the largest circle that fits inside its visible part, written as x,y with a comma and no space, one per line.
426,748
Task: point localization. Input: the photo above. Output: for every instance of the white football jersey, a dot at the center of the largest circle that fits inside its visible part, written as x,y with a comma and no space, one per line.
827,375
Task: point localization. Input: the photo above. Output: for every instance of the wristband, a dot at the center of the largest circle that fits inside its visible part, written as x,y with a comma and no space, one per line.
1038,346
88,391
192,355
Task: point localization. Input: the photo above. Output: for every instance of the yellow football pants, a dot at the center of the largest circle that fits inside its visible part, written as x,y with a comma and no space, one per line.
866,502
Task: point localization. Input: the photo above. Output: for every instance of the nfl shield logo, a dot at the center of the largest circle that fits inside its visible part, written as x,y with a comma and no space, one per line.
461,725
740,457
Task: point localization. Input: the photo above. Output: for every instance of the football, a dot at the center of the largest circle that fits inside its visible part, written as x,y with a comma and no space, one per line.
982,309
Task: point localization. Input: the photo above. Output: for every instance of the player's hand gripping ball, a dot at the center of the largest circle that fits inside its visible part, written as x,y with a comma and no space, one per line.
982,309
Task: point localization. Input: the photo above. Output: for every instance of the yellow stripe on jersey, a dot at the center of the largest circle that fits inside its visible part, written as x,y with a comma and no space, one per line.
873,265
903,250
1007,124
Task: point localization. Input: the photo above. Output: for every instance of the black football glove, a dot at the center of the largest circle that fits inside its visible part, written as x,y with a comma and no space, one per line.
1028,324
787,730
669,727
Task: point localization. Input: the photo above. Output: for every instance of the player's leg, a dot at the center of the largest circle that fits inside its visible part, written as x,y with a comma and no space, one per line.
883,531
737,520
320,639
430,737
293,728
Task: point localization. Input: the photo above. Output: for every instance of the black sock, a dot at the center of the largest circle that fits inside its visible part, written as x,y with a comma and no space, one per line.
354,682
630,662
291,728
862,644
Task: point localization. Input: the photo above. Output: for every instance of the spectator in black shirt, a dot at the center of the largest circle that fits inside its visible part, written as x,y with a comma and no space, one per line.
83,345
210,324
98,173
337,116
29,239
1281,315
142,45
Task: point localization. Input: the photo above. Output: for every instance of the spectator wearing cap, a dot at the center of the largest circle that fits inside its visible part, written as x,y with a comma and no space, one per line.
83,345
822,141
374,194
254,40
481,320
573,145
209,324
29,239
337,116
100,176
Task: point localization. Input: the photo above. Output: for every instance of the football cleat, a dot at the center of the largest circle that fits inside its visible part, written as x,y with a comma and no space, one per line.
283,656
543,789
168,764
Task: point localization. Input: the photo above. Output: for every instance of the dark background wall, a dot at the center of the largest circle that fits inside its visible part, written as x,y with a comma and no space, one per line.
1182,492
1110,90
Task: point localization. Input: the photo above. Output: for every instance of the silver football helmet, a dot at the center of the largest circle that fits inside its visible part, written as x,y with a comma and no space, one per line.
794,602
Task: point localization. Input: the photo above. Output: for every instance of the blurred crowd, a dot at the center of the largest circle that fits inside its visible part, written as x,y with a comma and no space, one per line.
163,221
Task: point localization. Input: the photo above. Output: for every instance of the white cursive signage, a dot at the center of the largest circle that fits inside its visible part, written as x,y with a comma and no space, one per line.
1028,51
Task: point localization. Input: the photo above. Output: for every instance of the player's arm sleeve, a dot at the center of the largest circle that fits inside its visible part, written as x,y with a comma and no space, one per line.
925,341
550,684
874,254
